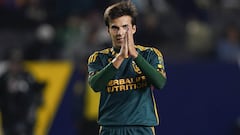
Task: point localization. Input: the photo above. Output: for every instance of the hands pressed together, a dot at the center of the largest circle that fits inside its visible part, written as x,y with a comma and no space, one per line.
128,48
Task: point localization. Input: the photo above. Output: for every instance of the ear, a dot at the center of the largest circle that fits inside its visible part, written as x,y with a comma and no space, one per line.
108,30
134,29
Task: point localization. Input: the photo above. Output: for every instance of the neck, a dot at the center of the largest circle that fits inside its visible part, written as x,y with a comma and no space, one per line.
117,50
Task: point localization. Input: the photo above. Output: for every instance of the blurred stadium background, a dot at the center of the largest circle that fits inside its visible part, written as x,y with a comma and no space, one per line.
199,39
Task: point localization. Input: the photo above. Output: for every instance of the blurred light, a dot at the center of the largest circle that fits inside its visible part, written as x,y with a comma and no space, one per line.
45,32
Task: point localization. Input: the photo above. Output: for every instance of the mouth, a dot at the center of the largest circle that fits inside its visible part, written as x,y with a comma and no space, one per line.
120,39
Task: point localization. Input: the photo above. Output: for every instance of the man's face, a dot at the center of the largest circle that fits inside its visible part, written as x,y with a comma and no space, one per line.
118,28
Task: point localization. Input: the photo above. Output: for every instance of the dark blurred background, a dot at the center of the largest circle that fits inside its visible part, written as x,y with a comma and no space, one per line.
199,39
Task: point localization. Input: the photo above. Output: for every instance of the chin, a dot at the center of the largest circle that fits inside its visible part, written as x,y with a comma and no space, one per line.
117,46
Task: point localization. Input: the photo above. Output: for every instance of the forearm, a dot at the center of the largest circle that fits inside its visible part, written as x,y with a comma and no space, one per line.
117,61
99,81
156,78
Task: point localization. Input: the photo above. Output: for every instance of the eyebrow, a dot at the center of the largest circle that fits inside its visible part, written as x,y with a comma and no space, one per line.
114,26
125,25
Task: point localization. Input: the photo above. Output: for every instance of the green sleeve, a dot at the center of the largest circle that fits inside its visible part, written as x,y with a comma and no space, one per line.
155,77
99,81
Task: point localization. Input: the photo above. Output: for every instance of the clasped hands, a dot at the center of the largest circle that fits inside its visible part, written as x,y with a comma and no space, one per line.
128,48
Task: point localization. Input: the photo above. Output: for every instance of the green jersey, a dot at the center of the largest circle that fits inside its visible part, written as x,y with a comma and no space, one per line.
126,93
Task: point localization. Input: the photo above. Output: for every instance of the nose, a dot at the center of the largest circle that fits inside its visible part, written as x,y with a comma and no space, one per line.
121,31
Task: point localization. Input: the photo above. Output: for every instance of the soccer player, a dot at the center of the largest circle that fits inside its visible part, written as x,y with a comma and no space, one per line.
124,75
20,96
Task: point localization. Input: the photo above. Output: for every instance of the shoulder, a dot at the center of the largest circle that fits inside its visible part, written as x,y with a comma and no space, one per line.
27,76
100,54
3,76
149,49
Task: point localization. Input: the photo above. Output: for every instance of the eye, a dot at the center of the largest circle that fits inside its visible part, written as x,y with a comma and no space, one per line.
125,27
114,28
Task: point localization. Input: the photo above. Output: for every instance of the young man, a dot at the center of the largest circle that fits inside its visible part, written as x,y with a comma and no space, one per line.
125,74
20,96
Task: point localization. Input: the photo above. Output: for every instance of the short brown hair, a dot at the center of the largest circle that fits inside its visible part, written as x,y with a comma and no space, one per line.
120,9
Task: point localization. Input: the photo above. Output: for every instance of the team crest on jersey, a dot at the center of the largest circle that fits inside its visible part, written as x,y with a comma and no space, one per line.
136,68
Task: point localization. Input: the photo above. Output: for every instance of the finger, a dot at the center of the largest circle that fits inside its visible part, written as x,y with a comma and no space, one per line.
126,36
130,38
126,43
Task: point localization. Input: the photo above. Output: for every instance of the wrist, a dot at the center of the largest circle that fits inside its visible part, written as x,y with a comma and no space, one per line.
135,55
117,61
119,57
